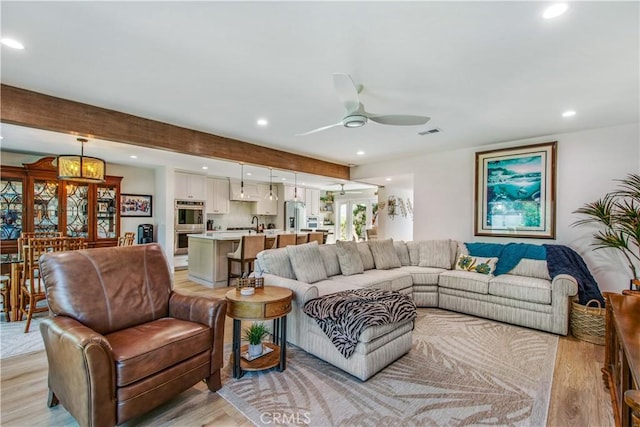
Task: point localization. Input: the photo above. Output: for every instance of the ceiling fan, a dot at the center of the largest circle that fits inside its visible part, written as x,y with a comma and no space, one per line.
343,192
356,116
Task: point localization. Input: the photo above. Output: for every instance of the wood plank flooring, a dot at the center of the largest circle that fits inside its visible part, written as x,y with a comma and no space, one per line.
578,395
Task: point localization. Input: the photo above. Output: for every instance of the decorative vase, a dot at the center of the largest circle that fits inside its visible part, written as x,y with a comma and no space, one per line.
255,350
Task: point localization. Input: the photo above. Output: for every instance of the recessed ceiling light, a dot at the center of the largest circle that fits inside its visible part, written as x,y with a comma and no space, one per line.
360,153
15,44
569,113
304,183
284,179
205,167
388,179
133,156
262,122
248,173
555,10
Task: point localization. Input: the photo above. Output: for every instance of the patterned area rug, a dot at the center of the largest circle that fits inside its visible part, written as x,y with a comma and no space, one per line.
13,340
461,371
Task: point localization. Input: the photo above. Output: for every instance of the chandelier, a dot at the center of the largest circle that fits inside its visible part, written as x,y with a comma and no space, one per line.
81,168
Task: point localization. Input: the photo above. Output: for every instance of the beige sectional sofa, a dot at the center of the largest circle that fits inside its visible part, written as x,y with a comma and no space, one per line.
425,270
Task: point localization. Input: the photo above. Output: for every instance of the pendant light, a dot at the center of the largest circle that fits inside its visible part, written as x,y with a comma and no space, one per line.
242,180
81,168
271,196
295,187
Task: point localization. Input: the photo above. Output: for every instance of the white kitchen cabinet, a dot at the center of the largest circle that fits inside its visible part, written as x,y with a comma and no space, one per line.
190,186
264,205
312,200
217,196
290,193
250,191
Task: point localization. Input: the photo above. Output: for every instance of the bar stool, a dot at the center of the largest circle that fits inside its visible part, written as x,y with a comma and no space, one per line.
302,239
246,253
283,240
5,293
316,236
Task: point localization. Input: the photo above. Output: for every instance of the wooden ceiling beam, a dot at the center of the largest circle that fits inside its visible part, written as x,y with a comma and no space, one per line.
32,109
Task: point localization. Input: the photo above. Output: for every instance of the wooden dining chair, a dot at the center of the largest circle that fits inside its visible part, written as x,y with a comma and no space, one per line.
31,284
246,254
35,235
283,240
5,293
74,243
316,236
128,239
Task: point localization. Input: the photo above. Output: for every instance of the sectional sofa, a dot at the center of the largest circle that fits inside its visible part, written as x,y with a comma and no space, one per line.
435,273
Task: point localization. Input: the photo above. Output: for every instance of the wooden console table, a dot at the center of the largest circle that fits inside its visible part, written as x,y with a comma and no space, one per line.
622,357
269,302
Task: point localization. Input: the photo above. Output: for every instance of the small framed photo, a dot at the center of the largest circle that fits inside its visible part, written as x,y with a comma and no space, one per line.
135,205
516,192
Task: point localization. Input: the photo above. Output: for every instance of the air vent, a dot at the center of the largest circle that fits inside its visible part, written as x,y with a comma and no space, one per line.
430,131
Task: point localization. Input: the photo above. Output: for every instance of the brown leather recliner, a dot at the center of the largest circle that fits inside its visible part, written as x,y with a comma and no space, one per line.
120,341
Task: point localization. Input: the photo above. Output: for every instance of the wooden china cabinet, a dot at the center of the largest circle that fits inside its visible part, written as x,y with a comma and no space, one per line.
32,198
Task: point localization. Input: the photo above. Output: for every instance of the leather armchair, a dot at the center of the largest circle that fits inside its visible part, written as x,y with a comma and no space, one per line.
120,342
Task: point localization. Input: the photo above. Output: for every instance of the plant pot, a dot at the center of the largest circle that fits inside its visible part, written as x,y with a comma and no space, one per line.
255,350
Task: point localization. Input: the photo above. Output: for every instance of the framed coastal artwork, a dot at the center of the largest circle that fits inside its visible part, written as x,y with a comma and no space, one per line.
135,205
515,192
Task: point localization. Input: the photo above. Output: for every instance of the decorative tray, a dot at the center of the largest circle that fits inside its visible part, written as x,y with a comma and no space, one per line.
265,350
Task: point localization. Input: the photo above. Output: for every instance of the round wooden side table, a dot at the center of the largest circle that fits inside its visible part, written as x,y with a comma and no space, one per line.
268,303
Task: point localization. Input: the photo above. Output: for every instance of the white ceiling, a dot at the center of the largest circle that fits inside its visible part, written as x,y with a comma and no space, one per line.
485,72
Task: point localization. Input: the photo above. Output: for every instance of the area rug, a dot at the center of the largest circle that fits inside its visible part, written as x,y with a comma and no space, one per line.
13,340
461,371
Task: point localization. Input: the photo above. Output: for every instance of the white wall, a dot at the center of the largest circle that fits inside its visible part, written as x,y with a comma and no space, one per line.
399,227
588,162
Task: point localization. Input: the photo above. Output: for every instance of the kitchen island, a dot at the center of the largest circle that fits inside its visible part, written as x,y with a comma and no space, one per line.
207,255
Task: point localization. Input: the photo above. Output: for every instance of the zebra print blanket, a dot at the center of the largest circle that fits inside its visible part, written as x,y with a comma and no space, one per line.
344,315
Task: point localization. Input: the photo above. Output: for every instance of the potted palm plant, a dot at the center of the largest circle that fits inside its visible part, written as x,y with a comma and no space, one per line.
617,215
254,334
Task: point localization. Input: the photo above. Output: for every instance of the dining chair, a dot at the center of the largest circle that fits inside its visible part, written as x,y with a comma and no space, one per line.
74,243
35,235
283,240
5,293
246,254
372,233
31,284
127,239
302,239
316,236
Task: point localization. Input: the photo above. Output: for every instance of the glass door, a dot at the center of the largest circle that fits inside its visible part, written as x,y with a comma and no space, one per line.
77,209
107,212
46,207
354,217
10,209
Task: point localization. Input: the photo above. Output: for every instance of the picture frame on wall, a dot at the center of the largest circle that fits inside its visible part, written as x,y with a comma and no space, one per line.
136,205
515,192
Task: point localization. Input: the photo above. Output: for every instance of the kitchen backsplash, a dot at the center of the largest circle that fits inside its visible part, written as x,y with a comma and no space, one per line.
239,216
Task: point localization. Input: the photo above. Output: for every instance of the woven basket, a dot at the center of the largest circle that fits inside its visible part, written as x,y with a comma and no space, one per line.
588,323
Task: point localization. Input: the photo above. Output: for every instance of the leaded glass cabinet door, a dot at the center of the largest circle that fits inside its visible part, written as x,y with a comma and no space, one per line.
46,206
107,212
11,197
77,202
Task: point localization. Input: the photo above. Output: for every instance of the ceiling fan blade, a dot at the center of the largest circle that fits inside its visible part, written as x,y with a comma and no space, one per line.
319,129
399,120
347,91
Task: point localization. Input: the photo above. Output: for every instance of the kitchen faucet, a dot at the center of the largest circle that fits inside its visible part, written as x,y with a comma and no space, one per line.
257,223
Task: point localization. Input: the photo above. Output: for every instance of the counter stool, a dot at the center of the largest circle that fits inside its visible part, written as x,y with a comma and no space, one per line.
316,236
246,253
5,293
285,239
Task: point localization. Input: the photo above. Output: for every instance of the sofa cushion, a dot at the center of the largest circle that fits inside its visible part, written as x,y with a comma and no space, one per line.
476,264
276,262
349,258
307,262
142,350
465,281
435,253
521,288
531,268
365,254
384,254
387,280
330,256
330,285
414,252
403,252
423,275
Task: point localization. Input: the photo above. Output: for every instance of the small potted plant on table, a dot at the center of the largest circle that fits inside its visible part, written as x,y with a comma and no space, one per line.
254,334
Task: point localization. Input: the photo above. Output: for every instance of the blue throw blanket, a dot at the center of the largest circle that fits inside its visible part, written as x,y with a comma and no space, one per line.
564,260
509,255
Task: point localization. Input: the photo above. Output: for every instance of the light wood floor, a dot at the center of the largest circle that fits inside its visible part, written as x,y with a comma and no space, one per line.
578,395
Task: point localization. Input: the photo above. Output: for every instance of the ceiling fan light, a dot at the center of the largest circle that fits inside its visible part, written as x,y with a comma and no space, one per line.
354,121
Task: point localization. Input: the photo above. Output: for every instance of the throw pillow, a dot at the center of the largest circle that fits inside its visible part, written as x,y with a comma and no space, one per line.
307,262
435,253
365,254
276,262
403,252
330,256
349,258
476,264
414,252
384,254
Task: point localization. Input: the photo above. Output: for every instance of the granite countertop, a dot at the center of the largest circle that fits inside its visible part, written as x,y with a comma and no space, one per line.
233,235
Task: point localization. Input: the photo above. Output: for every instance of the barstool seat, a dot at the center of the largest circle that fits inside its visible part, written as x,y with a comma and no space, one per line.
246,254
